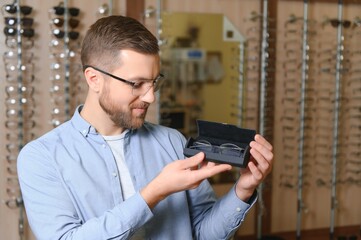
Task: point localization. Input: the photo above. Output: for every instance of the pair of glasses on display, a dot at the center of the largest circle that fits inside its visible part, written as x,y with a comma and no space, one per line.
58,45
14,103
13,148
336,22
59,22
13,21
60,34
13,43
14,70
13,8
11,56
139,87
15,136
15,79
60,56
15,90
16,124
13,113
14,203
229,149
25,32
60,10
58,65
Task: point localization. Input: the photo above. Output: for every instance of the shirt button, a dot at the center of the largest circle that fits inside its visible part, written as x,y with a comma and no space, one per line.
238,209
115,174
84,131
104,146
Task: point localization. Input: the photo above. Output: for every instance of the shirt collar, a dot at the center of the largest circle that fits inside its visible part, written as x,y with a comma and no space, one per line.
84,127
80,124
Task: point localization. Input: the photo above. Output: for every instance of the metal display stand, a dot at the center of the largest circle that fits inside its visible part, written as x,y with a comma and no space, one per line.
300,204
241,82
158,35
20,114
262,104
262,101
336,119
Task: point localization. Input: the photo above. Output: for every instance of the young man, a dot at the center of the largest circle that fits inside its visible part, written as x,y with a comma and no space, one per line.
108,174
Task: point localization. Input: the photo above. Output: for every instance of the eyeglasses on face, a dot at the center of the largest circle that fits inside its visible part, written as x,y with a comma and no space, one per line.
12,8
12,21
139,87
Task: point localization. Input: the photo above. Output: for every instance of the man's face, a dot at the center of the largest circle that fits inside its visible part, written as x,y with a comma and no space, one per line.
124,108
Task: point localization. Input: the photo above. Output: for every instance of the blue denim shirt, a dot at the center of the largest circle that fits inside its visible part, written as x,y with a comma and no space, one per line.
71,188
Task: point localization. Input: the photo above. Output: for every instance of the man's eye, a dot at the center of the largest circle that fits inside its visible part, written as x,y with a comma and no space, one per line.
138,85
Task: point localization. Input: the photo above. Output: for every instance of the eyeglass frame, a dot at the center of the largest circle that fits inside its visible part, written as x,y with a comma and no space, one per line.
205,145
160,77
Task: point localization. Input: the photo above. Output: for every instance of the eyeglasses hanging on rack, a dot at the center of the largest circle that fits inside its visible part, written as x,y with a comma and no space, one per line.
19,99
65,65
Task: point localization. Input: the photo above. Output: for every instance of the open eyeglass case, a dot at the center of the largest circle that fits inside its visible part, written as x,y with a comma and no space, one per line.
221,143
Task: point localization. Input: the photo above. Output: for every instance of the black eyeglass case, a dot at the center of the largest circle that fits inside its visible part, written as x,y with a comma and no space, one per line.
220,133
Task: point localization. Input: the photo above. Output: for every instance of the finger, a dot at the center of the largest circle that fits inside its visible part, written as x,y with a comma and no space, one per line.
210,171
265,151
257,174
192,162
259,161
258,138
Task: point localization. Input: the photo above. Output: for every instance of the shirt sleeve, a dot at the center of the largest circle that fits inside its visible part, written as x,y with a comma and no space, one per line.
218,219
52,213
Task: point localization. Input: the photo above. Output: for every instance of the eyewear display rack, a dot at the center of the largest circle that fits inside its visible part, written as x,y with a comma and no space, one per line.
65,65
304,76
19,88
265,106
318,107
337,106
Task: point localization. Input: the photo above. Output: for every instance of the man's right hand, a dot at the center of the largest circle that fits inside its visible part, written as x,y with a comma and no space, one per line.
180,175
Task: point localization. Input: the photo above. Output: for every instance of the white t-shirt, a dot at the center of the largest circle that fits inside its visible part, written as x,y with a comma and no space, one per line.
116,143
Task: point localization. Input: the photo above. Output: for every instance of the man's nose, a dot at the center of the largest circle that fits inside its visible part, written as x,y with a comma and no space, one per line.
149,96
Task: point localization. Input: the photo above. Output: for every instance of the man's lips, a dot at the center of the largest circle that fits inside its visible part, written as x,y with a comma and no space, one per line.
140,110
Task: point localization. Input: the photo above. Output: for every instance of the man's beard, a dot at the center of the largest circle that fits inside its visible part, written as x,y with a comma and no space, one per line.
123,118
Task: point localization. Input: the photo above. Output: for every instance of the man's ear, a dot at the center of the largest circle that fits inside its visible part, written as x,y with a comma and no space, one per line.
93,79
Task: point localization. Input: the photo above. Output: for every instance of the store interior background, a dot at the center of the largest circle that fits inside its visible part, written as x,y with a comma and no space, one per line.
243,62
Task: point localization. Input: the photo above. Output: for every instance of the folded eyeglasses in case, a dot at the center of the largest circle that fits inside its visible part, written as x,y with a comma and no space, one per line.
221,143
